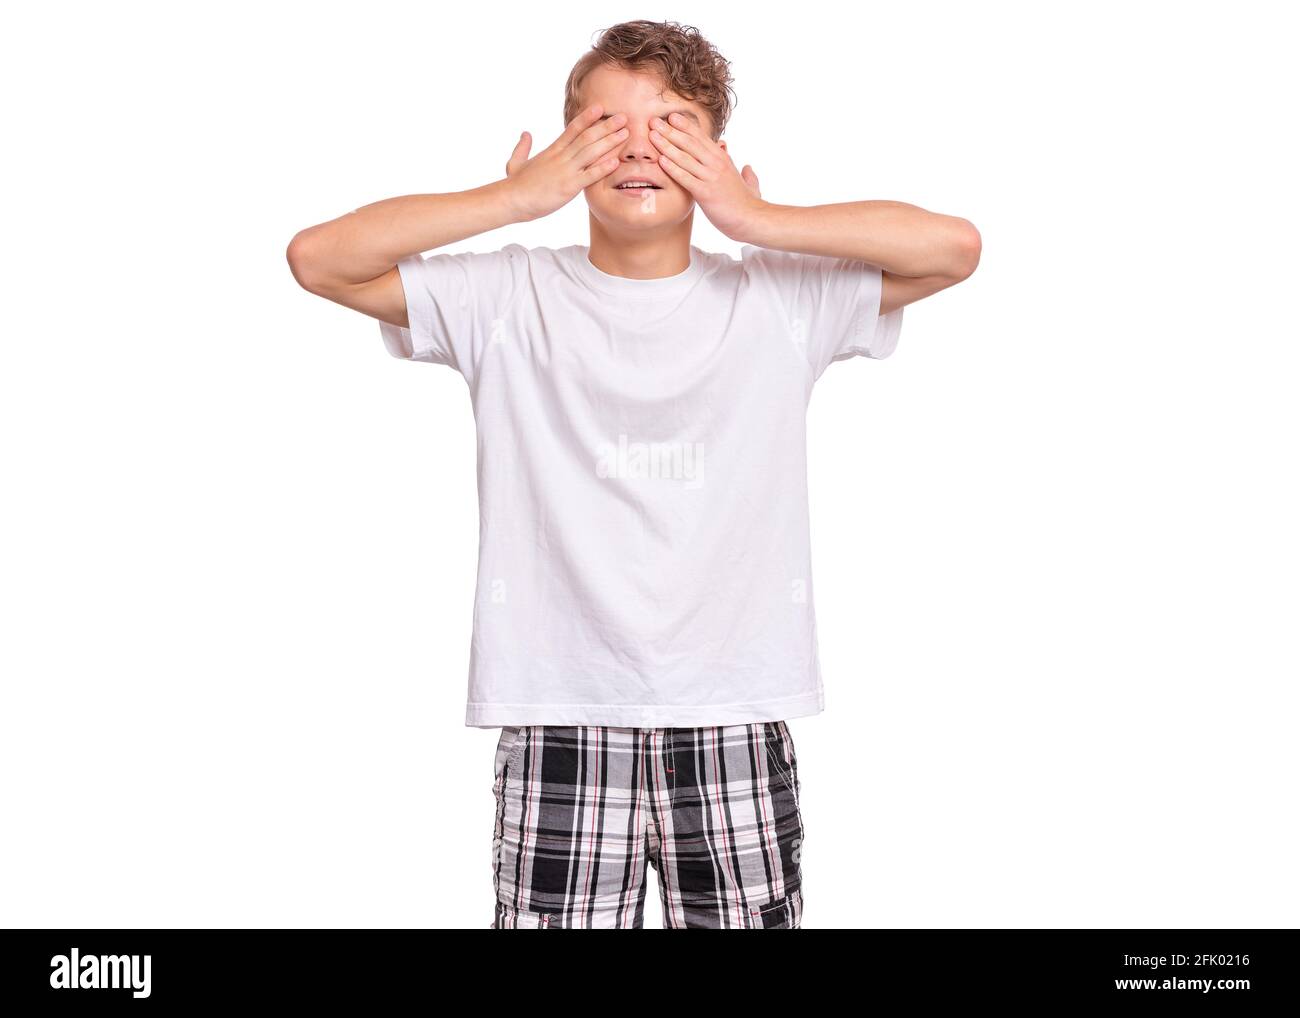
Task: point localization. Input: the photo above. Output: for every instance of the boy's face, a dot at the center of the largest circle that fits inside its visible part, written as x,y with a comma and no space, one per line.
639,95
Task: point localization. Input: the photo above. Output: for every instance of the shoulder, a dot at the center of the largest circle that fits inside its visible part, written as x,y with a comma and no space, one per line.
773,269
721,264
500,270
539,263
766,259
504,255
542,255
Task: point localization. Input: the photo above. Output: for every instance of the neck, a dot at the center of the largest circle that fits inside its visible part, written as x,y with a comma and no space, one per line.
651,255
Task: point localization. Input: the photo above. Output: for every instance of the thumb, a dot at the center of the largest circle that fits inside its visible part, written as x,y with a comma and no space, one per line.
520,155
751,179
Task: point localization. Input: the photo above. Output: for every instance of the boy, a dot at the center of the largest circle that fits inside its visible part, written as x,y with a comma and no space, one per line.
643,623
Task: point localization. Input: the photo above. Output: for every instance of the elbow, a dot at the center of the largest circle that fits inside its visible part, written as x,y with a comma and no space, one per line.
967,246
304,263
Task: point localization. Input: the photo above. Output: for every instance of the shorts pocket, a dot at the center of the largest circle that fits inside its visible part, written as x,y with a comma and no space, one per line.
510,748
508,918
782,763
782,914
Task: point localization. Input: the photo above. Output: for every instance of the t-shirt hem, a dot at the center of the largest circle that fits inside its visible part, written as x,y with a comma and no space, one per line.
496,715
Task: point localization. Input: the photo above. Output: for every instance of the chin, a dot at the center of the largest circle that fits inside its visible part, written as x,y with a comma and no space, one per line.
627,214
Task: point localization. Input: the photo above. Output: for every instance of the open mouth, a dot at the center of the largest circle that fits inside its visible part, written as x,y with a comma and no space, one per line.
637,185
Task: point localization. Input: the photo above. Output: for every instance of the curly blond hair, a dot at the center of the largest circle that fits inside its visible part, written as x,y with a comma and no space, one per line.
687,62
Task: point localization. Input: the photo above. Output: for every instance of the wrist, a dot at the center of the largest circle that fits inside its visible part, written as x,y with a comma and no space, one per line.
506,193
754,224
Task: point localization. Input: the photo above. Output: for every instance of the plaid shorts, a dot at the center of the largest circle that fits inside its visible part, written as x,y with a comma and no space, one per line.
583,811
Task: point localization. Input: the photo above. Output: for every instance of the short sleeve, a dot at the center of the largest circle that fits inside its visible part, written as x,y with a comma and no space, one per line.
454,302
831,305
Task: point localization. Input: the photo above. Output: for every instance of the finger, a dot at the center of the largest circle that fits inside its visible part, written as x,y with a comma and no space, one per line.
595,132
590,153
579,123
751,179
687,180
680,157
597,170
683,133
520,155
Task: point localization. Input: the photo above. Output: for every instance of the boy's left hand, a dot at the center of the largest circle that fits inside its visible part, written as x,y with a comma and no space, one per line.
703,167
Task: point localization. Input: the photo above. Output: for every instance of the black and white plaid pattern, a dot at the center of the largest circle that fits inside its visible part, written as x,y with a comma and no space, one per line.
582,811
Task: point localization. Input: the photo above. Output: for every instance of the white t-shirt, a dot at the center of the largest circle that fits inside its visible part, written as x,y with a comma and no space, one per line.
644,556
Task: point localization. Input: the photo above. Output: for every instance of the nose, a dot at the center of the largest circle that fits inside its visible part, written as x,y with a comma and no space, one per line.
638,147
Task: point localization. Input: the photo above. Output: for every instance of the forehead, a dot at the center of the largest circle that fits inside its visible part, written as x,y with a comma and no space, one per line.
620,90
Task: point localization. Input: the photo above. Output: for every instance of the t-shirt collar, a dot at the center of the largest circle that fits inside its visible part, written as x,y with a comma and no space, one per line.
623,286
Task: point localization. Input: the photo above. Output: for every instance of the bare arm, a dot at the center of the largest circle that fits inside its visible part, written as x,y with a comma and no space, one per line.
371,240
352,260
919,252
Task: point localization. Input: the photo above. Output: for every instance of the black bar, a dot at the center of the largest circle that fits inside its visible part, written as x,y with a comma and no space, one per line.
374,968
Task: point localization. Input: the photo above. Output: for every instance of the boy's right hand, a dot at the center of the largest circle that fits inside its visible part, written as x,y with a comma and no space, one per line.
575,160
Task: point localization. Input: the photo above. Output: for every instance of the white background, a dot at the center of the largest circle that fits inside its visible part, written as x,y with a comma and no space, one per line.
1054,535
